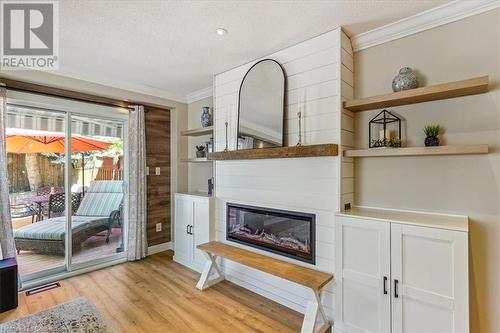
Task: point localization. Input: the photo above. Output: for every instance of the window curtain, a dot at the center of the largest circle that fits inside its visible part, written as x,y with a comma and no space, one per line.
137,240
7,247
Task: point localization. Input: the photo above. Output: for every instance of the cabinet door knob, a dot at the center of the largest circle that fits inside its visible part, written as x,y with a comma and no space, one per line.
396,295
385,285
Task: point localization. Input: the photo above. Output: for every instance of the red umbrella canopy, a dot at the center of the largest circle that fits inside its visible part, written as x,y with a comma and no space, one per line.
24,141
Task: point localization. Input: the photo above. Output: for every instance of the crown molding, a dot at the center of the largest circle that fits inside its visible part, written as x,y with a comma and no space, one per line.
199,94
435,17
119,84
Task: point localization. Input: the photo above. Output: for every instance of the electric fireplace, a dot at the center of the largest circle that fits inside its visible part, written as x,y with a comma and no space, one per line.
284,232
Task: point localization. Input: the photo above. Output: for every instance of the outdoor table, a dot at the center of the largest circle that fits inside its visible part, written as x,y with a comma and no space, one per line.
39,200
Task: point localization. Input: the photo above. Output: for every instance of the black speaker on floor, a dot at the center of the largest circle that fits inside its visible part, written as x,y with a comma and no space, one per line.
8,284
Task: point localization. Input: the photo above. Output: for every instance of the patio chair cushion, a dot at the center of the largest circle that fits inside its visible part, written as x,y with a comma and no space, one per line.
55,228
102,198
106,186
99,204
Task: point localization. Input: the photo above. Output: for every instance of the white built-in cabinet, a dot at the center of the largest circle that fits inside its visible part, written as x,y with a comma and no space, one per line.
192,227
401,276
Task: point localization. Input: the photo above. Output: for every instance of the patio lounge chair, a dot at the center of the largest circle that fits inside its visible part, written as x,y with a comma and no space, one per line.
98,211
57,204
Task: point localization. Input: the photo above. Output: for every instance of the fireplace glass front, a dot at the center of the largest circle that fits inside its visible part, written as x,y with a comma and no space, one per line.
284,232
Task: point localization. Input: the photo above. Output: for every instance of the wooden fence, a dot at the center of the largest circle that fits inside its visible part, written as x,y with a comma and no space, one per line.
51,174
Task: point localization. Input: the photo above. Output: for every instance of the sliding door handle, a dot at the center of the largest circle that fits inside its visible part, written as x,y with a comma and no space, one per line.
385,285
396,295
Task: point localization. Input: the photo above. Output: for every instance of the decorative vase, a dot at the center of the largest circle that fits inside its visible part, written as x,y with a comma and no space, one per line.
405,80
206,117
431,141
200,153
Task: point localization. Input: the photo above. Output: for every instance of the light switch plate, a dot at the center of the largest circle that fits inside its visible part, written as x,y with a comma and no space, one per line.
157,171
158,227
147,171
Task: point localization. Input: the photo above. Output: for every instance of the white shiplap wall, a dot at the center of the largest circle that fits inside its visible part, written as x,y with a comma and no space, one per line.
313,69
347,122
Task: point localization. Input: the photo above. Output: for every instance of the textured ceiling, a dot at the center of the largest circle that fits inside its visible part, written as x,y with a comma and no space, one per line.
170,47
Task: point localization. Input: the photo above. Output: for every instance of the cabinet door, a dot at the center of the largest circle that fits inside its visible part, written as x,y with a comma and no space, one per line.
183,218
430,268
362,272
201,229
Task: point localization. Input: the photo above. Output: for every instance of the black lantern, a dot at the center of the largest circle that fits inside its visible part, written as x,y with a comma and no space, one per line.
381,124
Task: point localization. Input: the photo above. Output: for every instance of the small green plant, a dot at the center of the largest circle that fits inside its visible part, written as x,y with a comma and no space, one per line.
392,143
200,148
432,130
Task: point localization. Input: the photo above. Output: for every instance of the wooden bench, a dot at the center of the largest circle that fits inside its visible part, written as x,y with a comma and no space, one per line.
310,278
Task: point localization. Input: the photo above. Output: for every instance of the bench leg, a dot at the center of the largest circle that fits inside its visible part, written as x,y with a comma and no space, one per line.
314,310
211,268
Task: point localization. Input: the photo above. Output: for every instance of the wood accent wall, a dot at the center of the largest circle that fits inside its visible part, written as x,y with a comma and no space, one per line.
158,155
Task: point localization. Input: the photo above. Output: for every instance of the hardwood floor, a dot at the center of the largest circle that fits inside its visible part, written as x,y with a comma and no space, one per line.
159,295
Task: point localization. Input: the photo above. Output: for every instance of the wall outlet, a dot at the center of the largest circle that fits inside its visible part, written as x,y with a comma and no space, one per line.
157,171
158,227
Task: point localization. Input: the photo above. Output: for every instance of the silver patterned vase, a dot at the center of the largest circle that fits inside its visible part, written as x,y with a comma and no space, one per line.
206,117
405,80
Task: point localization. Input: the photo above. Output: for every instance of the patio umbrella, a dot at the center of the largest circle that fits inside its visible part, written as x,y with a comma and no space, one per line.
25,141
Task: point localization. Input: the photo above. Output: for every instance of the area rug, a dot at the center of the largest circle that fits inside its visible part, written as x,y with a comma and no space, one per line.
77,316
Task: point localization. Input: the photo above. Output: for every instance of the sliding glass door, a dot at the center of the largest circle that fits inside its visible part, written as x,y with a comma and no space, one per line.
98,189
67,180
36,163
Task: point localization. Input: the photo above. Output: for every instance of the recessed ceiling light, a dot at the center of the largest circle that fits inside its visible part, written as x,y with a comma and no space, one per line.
221,31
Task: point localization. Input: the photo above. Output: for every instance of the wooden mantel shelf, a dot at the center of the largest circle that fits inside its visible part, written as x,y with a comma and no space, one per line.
282,152
418,151
473,86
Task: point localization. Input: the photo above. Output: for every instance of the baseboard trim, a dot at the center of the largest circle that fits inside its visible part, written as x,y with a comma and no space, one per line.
160,248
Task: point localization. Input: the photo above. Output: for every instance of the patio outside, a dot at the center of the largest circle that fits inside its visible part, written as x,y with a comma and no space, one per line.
36,164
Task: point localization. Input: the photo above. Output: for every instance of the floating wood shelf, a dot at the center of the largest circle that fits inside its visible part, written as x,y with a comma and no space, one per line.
473,86
195,160
418,151
282,152
198,131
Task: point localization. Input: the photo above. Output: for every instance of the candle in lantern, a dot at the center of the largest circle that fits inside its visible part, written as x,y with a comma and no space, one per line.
387,134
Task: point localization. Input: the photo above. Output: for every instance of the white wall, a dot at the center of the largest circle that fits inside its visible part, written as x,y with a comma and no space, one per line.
469,184
346,124
307,185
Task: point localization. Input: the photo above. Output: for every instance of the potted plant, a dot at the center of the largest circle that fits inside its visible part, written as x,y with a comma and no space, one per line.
432,135
200,151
